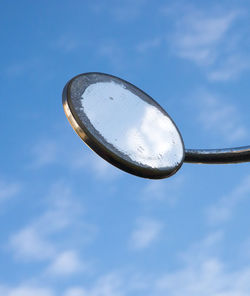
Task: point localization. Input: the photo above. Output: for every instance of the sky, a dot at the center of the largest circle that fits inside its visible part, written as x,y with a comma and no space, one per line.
73,225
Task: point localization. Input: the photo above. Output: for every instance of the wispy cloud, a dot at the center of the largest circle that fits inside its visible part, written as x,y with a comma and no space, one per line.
29,244
164,191
35,241
204,274
209,278
22,67
44,153
146,232
7,190
112,52
100,167
76,291
198,35
25,290
66,43
223,209
231,68
149,44
201,273
220,117
208,39
207,247
66,263
108,285
58,152
121,11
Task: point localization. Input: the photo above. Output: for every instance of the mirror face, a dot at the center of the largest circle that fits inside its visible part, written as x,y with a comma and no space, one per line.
123,125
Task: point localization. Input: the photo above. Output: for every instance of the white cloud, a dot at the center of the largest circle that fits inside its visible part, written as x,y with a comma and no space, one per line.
63,213
146,232
44,153
121,11
149,44
76,291
126,11
25,290
23,67
220,117
160,190
65,264
207,247
202,273
223,209
198,35
28,244
66,43
7,190
231,68
209,278
208,39
107,285
103,169
113,52
100,168
59,152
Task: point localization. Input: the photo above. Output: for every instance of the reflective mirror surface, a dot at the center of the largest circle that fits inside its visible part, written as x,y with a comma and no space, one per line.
123,125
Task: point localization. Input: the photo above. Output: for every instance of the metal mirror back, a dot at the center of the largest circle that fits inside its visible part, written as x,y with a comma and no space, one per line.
123,125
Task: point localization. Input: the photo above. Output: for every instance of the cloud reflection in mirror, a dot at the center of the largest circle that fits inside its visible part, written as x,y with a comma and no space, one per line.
133,126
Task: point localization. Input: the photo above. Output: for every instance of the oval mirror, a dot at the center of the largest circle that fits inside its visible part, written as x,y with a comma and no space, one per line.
123,125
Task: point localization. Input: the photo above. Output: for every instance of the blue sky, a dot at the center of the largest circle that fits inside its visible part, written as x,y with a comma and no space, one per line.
72,225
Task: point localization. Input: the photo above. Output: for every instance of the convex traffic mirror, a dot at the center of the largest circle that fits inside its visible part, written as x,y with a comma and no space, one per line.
129,129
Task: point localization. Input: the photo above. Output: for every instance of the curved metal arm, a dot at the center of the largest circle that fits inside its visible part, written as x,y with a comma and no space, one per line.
218,156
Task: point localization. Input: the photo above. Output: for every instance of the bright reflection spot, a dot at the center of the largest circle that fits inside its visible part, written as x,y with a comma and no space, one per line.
133,126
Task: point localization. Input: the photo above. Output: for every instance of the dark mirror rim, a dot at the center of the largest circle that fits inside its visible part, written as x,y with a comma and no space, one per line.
104,152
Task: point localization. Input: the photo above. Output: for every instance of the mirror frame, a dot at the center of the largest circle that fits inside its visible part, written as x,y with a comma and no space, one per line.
103,151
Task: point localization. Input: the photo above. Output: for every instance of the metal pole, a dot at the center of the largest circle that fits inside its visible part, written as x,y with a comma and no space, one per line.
218,156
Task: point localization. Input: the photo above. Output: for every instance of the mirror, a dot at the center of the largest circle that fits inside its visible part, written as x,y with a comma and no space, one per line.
123,125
